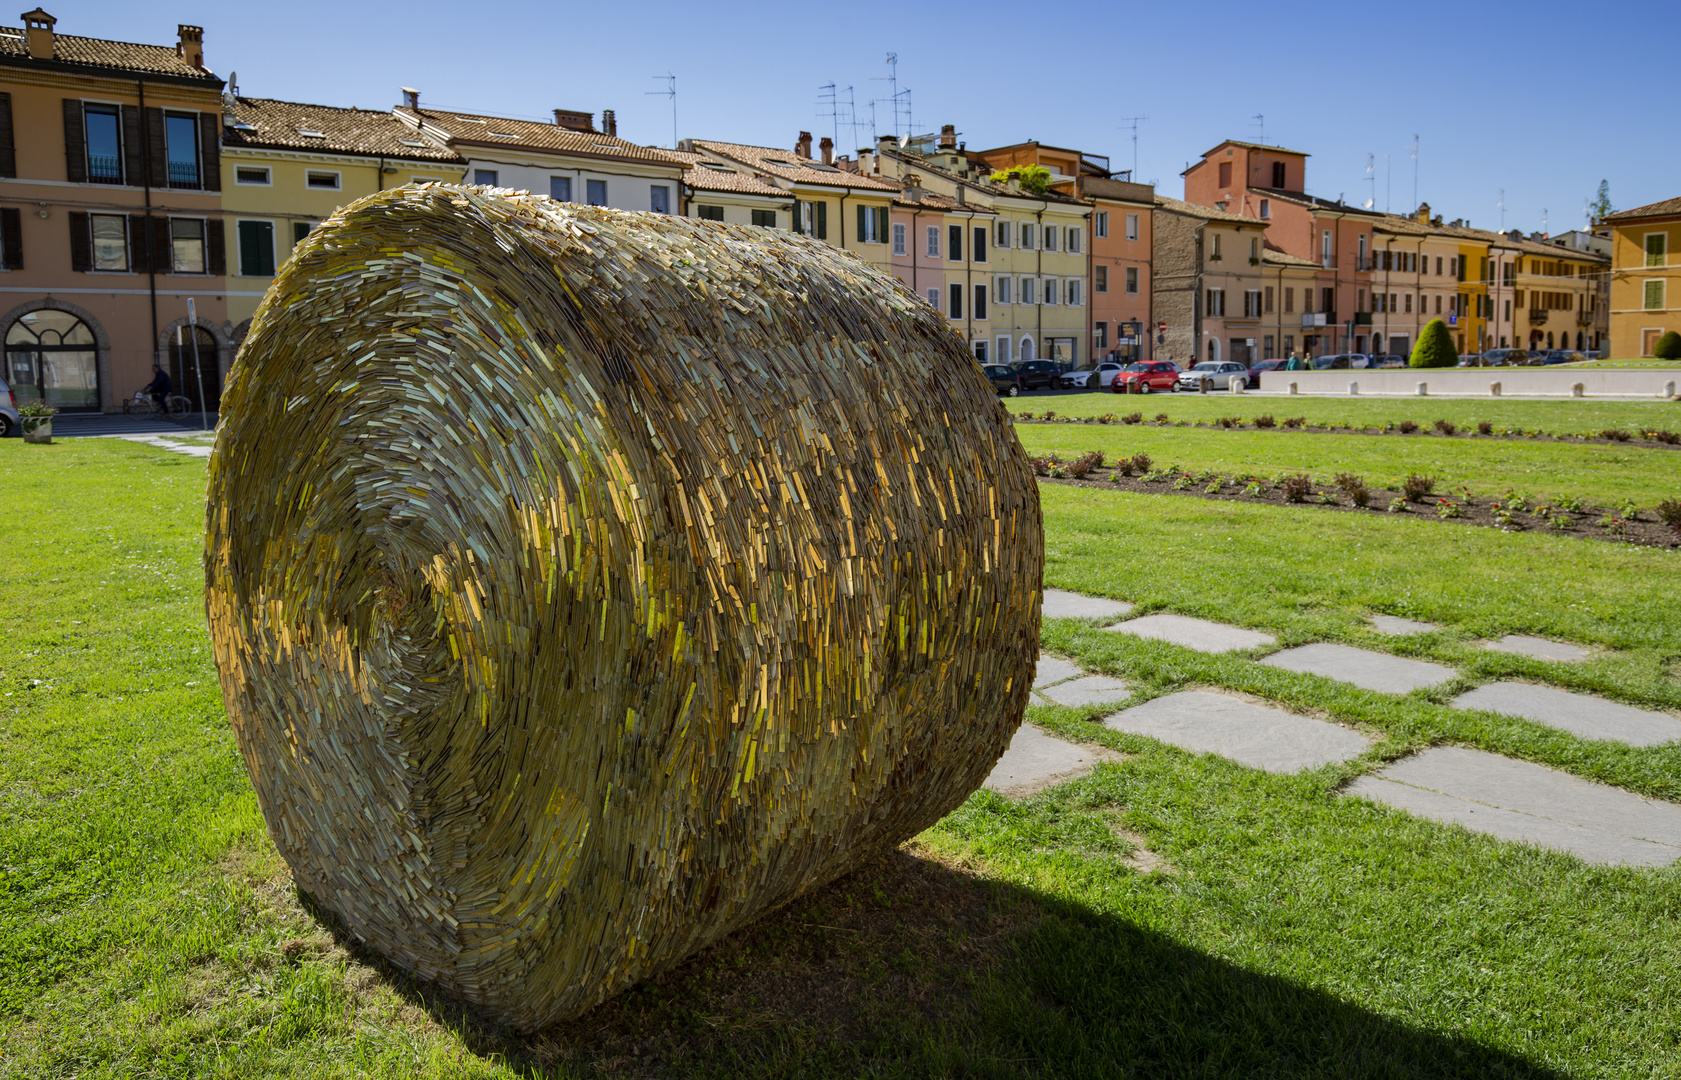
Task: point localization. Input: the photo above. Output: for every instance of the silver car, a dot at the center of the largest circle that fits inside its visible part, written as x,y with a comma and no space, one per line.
1219,373
9,419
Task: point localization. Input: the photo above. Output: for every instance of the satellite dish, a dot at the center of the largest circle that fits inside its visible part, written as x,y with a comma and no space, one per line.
233,82
1367,204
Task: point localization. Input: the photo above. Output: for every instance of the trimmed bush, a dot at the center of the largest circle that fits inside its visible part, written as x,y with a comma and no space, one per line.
1668,347
1435,347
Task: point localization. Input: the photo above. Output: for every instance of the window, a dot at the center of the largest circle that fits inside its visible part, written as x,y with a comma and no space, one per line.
110,241
560,190
1266,210
1027,236
1266,345
933,242
1132,226
596,192
1409,310
1453,266
301,230
1225,174
980,301
1290,300
1508,317
709,213
1075,292
1392,306
1002,239
1438,265
1251,304
1362,254
1266,301
1277,176
1328,300
1653,295
1050,290
1001,349
1438,303
898,238
1657,245
1026,349
1100,225
934,298
766,218
105,155
1132,280
805,219
1100,279
956,310
872,224
954,243
1214,253
1029,291
1360,300
980,351
978,253
1325,257
256,248
1254,252
487,177
1074,241
251,174
659,198
1048,240
1001,290
1215,303
181,149
186,238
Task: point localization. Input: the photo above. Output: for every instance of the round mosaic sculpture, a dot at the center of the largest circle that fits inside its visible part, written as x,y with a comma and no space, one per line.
584,584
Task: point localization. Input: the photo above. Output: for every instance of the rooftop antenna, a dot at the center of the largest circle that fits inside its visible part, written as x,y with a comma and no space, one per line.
670,91
1371,180
899,99
1415,172
1387,182
1544,222
828,95
1502,209
1262,120
1133,122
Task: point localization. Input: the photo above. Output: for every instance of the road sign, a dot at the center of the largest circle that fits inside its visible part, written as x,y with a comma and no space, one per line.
1161,327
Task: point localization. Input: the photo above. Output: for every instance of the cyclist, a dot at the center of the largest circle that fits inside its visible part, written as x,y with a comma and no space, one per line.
158,388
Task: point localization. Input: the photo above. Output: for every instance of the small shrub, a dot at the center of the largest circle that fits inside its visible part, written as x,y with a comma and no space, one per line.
1265,420
1184,482
1295,422
1447,508
1133,418
1326,499
1669,512
1348,481
1407,427
1668,347
1504,518
1086,464
1254,488
1156,476
1434,348
1360,497
1628,510
1446,427
1106,418
1614,435
1415,487
1484,428
1397,505
1568,503
1214,487
1669,437
1614,525
1161,418
1050,414
1296,488
1141,463
1230,421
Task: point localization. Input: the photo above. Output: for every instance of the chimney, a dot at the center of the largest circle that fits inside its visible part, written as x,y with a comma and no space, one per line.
38,28
411,98
190,47
948,136
1423,215
609,123
913,188
802,146
573,120
827,146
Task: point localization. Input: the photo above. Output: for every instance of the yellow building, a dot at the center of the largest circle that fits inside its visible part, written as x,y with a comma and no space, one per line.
1645,277
286,166
1472,305
1555,296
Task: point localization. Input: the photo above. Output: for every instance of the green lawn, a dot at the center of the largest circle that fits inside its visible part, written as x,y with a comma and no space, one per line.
1643,362
1601,474
148,929
1570,416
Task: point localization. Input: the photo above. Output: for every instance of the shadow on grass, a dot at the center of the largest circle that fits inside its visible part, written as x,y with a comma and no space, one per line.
912,967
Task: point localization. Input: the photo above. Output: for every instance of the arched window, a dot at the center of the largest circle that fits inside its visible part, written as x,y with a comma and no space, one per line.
1027,348
185,377
51,356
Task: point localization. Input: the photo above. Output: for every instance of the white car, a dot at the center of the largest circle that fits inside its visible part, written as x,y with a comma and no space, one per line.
1097,378
1219,373
9,419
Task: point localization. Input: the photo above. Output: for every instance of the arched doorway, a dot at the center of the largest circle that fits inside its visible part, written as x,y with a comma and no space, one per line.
186,378
1027,348
1377,344
1214,349
1580,341
52,356
1549,339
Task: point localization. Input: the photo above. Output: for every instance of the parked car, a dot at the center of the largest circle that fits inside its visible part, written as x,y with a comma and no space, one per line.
1144,377
1219,373
1393,360
1090,378
1005,381
1340,362
1504,358
9,419
1562,356
1036,374
1595,354
1258,367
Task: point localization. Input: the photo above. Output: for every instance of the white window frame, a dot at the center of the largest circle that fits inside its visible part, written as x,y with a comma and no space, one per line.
266,181
659,187
1132,226
1001,349
1003,237
931,242
977,303
1076,239
93,250
933,297
1251,303
1075,299
1025,347
1047,237
899,231
1132,281
1051,292
1029,291
1100,225
336,174
1001,289
1027,236
204,242
1645,251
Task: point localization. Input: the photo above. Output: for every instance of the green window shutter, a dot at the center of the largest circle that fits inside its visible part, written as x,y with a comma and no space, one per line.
822,220
881,224
863,232
256,248
799,214
1654,296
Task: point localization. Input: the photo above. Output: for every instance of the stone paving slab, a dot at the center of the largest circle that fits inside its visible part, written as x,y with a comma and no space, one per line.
1519,800
1252,735
1053,669
1581,714
1199,634
1395,626
1361,667
1091,690
1060,604
1036,760
1539,648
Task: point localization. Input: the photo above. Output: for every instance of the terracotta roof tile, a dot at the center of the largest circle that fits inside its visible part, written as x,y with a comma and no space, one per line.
788,166
1661,208
1284,258
464,129
263,123
1210,213
98,52
704,174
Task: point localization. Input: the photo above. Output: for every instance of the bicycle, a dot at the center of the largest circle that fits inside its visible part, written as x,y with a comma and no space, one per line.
143,404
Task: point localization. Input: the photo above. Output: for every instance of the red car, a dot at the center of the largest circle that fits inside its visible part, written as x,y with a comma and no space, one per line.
1146,377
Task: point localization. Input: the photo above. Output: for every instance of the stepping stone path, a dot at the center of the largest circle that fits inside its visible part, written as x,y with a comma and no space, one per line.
1539,648
1090,690
1395,626
1581,714
200,450
1517,800
1199,634
1035,761
1252,735
1066,605
1053,669
1367,670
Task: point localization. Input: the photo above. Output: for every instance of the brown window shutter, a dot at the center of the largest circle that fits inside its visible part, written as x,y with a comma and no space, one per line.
75,143
11,238
134,155
138,252
156,149
215,247
81,243
163,251
8,148
210,151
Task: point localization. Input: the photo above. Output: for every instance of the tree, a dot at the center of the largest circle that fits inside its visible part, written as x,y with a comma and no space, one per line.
1668,347
1434,347
1034,178
1600,208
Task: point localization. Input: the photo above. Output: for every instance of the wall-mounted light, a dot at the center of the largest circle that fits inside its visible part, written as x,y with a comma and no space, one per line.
41,213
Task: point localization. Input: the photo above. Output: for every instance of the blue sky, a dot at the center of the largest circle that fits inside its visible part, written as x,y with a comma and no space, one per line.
1542,99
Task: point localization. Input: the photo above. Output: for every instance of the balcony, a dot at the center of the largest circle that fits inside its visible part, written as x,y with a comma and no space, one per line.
1362,318
1537,316
1584,318
1319,318
183,174
104,169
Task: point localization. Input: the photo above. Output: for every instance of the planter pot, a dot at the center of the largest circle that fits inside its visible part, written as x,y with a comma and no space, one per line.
38,429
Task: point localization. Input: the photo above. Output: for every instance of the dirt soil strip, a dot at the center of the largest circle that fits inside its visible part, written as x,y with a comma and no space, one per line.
1424,431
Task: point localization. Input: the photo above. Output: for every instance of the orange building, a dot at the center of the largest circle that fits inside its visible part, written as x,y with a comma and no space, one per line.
1121,282
110,215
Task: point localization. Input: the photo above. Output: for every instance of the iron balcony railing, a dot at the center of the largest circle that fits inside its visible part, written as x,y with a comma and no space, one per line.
183,174
104,169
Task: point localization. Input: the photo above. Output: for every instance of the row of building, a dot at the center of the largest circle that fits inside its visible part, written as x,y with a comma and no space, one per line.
132,180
